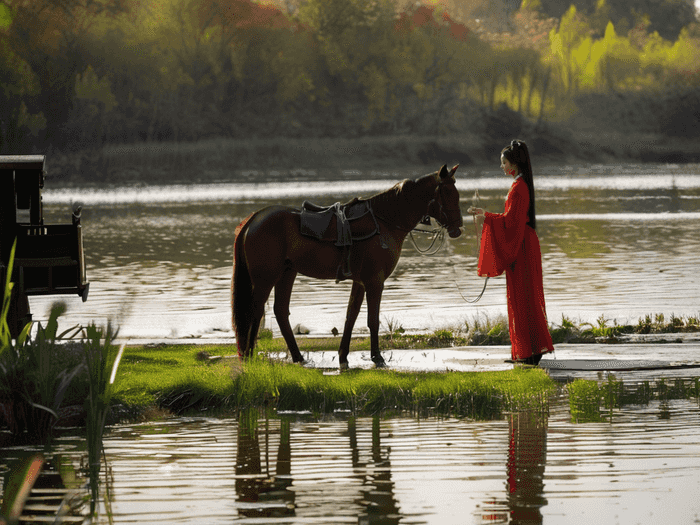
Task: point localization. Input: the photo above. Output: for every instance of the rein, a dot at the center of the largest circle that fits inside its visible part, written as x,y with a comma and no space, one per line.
475,204
430,250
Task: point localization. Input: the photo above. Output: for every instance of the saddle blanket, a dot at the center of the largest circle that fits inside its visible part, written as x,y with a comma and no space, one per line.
334,223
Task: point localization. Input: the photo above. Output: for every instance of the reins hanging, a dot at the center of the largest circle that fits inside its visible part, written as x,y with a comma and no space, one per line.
476,299
475,204
431,250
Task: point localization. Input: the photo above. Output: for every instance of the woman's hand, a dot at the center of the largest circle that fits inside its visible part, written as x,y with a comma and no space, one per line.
475,211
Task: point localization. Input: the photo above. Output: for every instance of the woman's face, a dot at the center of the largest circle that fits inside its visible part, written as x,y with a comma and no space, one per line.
508,168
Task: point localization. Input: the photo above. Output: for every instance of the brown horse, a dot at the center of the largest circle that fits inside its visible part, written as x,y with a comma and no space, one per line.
269,250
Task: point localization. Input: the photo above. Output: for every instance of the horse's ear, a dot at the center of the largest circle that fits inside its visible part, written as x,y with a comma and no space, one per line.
452,171
443,172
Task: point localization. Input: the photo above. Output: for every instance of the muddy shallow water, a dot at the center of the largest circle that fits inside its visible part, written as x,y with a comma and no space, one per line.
621,242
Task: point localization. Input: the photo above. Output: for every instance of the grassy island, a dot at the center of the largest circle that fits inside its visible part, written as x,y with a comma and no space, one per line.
183,379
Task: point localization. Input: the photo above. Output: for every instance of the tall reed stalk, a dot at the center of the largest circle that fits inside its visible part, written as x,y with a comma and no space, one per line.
97,344
5,336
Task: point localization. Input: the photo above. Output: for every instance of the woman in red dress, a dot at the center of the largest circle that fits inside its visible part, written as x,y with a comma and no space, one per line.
509,243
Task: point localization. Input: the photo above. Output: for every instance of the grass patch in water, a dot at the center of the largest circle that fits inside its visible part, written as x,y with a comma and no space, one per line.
594,401
173,379
608,330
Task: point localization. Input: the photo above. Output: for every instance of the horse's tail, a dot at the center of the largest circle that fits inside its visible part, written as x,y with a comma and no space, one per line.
241,292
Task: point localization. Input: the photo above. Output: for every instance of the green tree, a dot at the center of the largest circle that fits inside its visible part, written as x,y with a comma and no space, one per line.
43,33
18,124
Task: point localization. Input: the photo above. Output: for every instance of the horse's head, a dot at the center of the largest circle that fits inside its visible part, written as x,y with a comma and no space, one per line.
444,207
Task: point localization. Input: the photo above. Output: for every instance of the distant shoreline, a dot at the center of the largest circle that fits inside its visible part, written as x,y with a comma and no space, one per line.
213,159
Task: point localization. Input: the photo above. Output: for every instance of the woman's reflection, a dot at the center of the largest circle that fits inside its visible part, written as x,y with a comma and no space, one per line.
527,454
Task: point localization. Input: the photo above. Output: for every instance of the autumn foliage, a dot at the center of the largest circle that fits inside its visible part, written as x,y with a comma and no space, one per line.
425,18
83,73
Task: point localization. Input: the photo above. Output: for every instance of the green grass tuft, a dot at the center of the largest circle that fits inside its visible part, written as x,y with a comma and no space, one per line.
174,379
591,401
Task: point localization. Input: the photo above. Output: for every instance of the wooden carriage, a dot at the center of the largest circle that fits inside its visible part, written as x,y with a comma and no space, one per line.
49,258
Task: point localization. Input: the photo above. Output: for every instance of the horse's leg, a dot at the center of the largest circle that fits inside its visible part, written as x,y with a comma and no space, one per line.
283,294
357,295
260,296
374,298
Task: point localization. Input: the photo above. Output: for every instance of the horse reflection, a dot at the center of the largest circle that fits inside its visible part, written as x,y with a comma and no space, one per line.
260,494
378,499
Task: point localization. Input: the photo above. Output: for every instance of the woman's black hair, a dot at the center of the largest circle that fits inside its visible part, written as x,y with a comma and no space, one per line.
517,153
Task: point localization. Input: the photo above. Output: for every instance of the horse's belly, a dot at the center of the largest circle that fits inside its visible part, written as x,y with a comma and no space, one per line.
316,259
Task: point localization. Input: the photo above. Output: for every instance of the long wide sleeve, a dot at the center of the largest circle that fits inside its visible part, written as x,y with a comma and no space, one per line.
502,234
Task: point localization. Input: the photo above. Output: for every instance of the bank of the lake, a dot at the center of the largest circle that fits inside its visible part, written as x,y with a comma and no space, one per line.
218,159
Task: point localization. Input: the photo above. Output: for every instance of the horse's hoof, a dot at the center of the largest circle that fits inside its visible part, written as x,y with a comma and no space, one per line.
379,362
344,366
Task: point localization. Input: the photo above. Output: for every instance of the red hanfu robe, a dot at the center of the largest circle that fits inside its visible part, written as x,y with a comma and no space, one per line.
509,244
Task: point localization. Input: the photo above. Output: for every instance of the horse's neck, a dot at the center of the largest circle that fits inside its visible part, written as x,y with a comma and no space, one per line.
405,204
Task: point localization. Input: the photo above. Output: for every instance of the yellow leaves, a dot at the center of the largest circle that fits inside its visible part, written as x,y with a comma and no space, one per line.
5,16
684,53
531,5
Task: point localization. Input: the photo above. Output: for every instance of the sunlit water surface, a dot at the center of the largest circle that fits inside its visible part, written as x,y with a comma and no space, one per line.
640,465
621,242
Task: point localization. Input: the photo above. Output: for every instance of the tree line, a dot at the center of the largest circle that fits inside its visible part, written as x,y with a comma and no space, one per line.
79,74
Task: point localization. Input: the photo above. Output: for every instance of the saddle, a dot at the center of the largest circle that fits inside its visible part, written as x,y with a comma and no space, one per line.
341,224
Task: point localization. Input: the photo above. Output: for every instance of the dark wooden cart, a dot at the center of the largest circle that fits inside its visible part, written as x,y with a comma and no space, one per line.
49,258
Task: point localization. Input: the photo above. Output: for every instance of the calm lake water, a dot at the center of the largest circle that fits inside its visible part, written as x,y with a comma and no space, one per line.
639,464
621,242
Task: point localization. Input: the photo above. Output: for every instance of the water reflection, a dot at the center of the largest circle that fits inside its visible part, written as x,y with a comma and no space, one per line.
378,502
525,467
262,494
527,456
642,466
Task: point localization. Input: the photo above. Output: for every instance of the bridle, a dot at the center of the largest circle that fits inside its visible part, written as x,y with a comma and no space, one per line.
443,219
444,211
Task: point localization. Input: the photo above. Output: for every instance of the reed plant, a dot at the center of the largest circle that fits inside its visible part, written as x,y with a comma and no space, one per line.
97,346
19,484
5,335
32,387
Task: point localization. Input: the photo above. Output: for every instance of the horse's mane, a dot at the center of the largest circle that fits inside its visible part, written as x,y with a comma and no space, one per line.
394,203
389,196
400,190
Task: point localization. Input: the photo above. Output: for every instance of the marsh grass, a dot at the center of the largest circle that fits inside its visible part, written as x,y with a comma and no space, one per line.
479,331
595,401
486,331
35,381
609,330
175,380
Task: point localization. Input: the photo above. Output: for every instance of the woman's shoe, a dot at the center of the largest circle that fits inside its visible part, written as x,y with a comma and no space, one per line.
533,360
